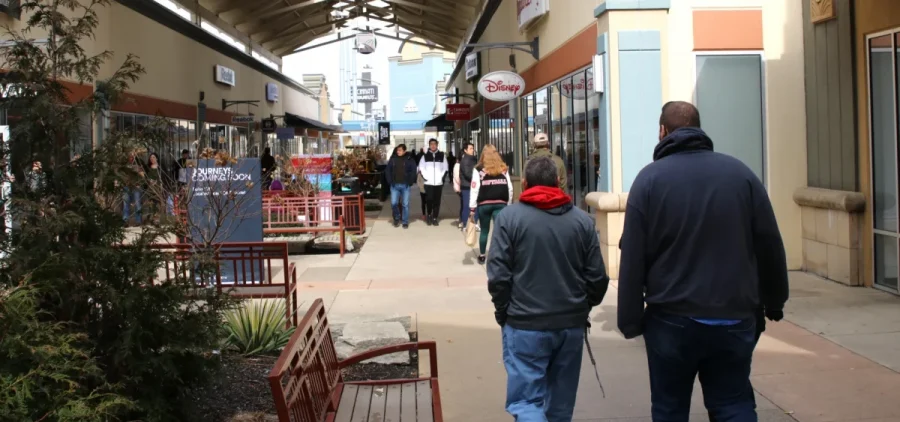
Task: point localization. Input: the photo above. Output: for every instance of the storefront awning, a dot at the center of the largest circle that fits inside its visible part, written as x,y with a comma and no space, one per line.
295,121
441,124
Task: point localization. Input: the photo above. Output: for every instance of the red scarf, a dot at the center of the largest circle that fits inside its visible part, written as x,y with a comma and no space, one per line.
545,197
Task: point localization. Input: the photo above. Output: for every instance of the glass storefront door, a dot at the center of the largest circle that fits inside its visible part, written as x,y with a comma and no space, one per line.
883,126
568,111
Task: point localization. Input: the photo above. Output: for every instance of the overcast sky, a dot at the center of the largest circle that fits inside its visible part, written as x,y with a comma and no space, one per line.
326,60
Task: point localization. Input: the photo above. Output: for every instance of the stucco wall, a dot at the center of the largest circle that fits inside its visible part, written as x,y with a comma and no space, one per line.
785,128
565,20
178,68
415,80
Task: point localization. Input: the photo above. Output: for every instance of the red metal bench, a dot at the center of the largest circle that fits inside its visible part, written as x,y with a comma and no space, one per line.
351,207
307,385
253,265
294,214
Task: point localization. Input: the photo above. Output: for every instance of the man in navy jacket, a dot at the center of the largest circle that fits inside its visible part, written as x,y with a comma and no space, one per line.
401,174
702,249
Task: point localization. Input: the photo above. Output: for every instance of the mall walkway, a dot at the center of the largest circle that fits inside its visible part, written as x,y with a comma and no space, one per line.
836,357
421,256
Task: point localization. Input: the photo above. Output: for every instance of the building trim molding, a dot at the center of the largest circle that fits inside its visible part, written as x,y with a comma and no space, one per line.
631,5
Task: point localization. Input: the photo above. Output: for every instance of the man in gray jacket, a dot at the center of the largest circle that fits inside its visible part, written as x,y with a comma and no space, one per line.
545,273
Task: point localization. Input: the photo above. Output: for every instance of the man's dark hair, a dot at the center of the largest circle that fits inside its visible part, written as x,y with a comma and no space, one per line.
467,145
185,151
432,140
401,146
541,171
678,114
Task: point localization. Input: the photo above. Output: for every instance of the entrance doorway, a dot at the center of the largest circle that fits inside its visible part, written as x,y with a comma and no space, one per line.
882,56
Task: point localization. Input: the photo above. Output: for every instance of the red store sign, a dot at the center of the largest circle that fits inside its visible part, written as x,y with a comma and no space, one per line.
458,112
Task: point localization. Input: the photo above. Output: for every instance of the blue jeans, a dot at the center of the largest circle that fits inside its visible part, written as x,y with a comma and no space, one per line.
132,196
465,211
679,349
542,371
399,191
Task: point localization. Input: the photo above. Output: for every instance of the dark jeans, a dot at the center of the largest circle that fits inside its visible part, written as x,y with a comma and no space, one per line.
488,212
424,202
433,196
679,349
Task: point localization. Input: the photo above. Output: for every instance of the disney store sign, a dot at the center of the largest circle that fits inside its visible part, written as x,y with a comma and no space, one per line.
501,86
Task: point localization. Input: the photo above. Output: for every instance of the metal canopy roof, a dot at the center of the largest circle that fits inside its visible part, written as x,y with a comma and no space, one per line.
282,26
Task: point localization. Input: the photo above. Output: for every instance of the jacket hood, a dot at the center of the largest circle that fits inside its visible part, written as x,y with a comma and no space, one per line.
686,139
551,200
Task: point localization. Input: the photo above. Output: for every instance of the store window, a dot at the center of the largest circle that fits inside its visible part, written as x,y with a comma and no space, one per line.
568,111
883,87
474,127
501,136
542,116
182,134
729,95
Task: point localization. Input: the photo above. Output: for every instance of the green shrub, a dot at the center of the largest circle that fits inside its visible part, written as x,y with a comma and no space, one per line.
258,327
84,334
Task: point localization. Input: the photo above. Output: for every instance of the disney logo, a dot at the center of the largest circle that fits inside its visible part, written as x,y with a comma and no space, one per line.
500,86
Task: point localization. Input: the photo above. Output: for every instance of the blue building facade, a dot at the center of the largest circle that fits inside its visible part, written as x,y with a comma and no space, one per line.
413,80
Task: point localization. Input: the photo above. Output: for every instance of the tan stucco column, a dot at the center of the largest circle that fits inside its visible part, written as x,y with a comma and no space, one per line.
610,214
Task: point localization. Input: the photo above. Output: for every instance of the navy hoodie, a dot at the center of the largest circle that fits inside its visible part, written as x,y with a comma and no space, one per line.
700,238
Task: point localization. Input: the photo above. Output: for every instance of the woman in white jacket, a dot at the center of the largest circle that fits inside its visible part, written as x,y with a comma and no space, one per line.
492,191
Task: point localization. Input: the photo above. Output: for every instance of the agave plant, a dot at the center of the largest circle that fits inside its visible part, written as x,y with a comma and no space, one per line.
258,327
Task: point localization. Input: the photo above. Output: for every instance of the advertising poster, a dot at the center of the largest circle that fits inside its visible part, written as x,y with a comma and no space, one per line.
226,205
318,172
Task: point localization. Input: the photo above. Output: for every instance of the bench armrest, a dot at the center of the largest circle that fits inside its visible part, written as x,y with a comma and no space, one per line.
431,346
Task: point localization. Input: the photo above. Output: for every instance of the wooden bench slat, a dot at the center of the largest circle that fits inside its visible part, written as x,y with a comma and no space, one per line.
363,400
408,402
392,405
424,410
348,402
379,398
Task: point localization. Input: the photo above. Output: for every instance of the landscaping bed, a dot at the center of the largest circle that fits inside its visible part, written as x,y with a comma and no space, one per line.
240,391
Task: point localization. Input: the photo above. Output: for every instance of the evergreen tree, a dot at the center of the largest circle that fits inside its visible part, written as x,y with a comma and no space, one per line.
85,333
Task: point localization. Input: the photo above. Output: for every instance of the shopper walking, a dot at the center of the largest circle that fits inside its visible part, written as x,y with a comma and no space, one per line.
433,168
542,149
401,174
132,194
267,165
491,192
467,163
545,273
702,248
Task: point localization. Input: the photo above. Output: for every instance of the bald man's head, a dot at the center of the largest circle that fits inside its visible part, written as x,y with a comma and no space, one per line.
676,115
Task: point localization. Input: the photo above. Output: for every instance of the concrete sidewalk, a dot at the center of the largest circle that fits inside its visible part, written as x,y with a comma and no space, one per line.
831,360
395,257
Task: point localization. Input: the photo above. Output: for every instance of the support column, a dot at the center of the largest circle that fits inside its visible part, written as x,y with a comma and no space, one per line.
633,42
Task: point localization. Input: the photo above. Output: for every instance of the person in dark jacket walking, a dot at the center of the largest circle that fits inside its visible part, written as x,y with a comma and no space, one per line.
467,163
702,249
267,165
545,273
401,174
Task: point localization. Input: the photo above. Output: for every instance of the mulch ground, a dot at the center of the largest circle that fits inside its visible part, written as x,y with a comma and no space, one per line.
240,391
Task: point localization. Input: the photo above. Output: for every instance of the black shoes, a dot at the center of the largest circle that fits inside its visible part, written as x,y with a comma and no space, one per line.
396,223
428,221
405,226
435,222
481,259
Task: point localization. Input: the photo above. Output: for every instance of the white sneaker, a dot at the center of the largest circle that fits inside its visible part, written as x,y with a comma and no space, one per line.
478,227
